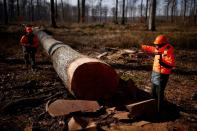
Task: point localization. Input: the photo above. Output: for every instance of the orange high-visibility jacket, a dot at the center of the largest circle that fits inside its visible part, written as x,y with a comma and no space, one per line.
25,42
163,66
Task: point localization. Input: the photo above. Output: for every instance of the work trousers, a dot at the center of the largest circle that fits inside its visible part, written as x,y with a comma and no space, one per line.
159,82
29,56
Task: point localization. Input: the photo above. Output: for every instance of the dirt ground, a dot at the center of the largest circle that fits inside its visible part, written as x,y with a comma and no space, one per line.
44,83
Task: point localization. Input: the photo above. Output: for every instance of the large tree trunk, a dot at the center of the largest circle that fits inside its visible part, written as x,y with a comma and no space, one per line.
86,78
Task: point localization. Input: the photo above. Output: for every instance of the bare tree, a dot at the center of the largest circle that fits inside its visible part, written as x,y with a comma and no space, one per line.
141,8
53,22
151,25
167,8
173,8
192,10
132,8
79,10
18,8
105,12
184,9
11,9
83,11
56,11
195,12
5,12
62,5
116,13
32,10
123,13
146,12
100,10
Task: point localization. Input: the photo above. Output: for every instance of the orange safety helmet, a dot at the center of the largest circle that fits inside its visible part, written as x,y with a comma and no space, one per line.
161,39
28,29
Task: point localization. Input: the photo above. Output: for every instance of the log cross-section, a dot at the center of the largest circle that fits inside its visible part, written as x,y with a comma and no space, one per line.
84,77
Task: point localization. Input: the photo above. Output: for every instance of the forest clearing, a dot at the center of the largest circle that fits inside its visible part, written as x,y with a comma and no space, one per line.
91,72
181,89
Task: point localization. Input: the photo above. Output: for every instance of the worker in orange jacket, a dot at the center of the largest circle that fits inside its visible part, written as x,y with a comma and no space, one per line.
29,43
162,67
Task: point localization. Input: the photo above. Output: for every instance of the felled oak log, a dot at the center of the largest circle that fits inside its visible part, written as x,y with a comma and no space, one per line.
85,77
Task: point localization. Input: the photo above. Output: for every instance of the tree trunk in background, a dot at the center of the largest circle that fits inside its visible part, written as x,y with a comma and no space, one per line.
184,10
84,77
56,11
83,11
32,10
100,11
18,8
146,12
173,10
79,10
151,25
62,4
123,13
141,8
5,12
167,9
195,12
11,9
191,12
53,22
116,13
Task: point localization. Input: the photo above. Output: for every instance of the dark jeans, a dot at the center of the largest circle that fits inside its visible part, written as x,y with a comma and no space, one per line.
29,55
159,82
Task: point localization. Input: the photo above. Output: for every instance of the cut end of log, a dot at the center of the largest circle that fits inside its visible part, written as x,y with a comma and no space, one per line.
92,79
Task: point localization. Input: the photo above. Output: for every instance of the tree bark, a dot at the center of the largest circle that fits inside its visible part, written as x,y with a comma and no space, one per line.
53,22
84,77
5,12
151,25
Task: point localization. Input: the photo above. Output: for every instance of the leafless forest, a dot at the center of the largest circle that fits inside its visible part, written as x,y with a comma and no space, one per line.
109,32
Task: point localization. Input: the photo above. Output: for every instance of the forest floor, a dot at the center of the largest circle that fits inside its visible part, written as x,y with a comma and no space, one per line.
92,40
